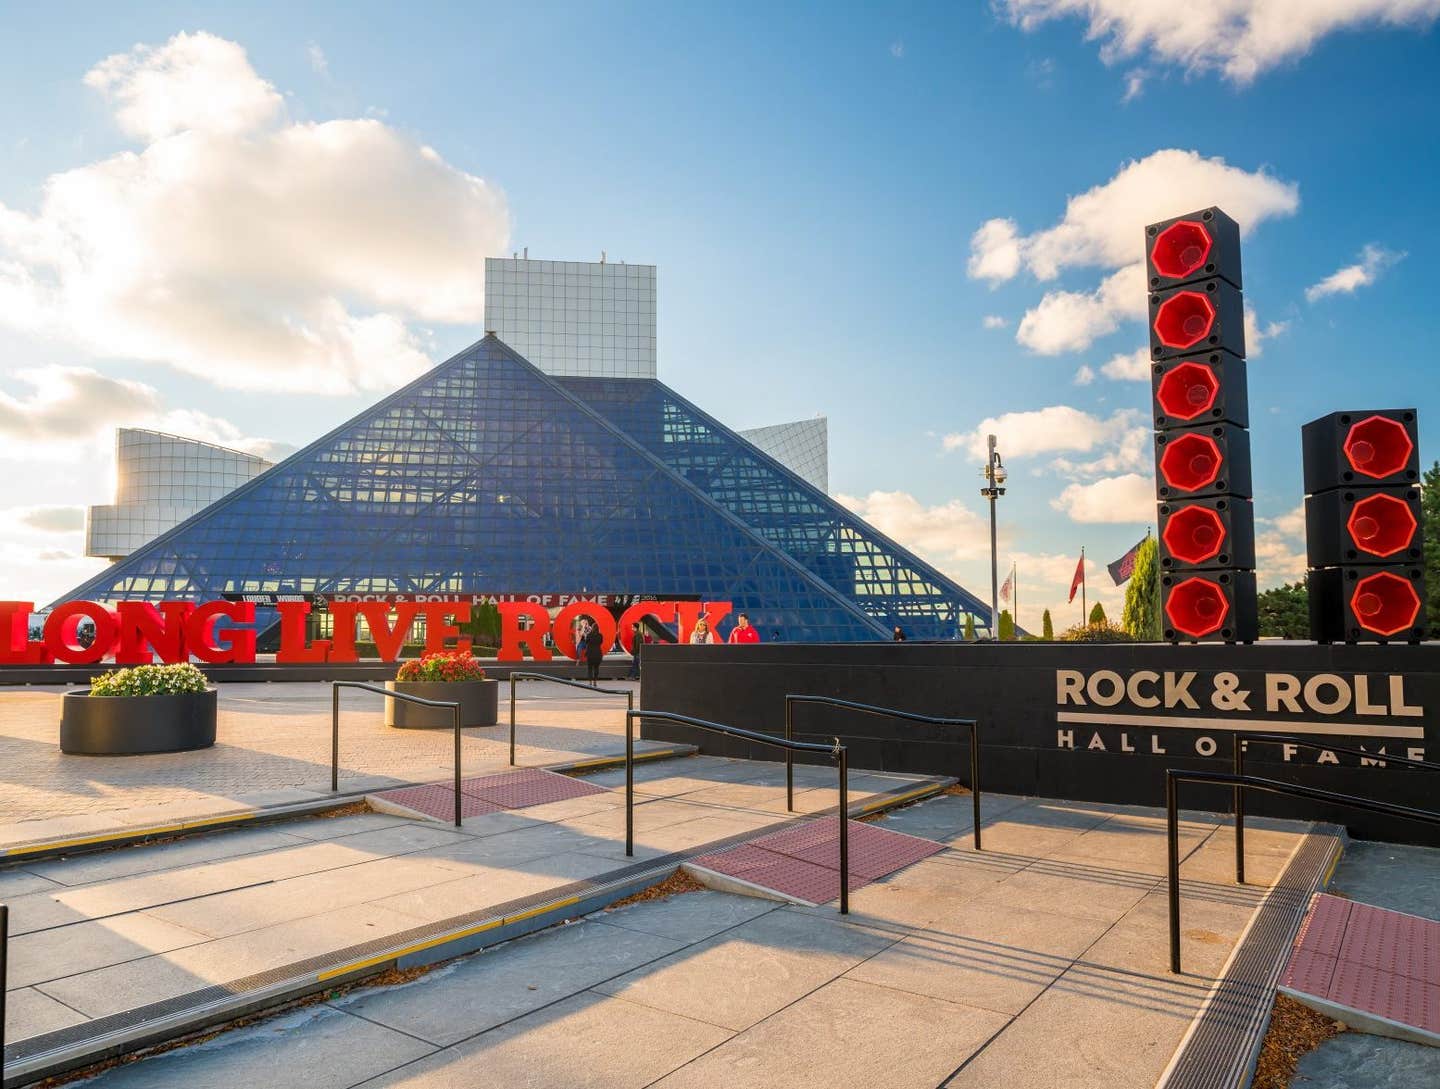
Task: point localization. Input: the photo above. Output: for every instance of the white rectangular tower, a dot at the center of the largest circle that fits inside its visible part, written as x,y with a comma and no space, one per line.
574,318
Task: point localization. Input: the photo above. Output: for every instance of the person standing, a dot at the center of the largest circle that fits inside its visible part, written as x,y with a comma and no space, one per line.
899,635
594,653
743,632
702,632
635,645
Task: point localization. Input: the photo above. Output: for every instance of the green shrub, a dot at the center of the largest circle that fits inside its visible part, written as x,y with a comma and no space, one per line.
1047,626
1097,633
969,628
1097,614
149,680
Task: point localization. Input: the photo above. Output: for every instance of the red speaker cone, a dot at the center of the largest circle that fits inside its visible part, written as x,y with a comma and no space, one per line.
1184,319
1188,391
1180,249
1385,603
1378,447
1194,534
1197,607
1190,462
1382,525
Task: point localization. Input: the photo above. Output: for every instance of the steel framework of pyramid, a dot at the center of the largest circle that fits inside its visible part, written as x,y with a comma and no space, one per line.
487,476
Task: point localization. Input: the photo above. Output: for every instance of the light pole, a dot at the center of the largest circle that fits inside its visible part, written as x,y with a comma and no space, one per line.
995,475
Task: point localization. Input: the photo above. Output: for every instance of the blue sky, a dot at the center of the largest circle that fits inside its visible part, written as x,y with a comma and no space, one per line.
809,180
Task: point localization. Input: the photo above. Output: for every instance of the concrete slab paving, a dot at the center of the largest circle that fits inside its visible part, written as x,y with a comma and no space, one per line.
584,1042
767,963
320,1048
514,980
29,1012
84,947
846,1033
692,917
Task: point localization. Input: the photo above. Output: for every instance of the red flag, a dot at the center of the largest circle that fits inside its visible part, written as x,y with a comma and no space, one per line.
1079,579
1005,589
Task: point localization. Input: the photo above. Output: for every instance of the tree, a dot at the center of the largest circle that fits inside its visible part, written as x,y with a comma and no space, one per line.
1285,612
1097,615
1007,626
1141,616
1430,511
1047,626
969,628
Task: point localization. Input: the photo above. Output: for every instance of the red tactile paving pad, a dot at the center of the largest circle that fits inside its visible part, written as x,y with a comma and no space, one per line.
874,852
1367,959
438,801
527,787
804,862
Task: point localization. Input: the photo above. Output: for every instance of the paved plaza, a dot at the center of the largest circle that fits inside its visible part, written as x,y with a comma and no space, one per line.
1040,961
274,745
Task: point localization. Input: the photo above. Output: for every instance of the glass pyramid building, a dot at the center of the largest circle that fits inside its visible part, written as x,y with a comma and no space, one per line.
487,476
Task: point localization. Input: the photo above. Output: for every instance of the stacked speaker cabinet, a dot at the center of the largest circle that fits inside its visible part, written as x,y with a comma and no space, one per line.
1202,419
1363,534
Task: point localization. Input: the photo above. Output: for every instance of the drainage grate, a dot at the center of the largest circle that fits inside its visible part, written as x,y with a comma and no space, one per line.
1220,1050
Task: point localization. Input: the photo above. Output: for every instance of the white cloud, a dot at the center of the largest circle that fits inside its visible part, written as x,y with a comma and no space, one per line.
1239,39
1126,498
897,49
319,63
994,321
1373,260
194,82
252,252
1070,321
995,251
1280,549
943,534
1129,446
1085,375
71,413
1256,334
1052,429
1128,366
46,519
1102,226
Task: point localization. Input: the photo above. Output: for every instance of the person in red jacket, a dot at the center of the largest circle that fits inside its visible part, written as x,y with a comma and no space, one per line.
743,632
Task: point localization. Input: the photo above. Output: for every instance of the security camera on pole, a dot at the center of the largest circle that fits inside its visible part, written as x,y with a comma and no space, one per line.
994,474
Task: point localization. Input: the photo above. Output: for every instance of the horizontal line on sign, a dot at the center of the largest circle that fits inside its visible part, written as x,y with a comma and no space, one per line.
1259,725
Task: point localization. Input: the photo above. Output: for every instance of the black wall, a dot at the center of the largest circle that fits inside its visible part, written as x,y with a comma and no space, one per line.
1012,690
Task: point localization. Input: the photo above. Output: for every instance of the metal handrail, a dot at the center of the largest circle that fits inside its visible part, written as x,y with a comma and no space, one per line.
1238,759
1175,776
835,752
628,693
4,979
886,712
335,687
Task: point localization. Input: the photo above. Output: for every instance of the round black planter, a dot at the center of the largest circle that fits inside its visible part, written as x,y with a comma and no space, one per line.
134,725
479,704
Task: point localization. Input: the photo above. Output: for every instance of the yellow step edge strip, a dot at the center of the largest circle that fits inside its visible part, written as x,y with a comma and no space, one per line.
127,834
619,761
455,935
1330,872
896,799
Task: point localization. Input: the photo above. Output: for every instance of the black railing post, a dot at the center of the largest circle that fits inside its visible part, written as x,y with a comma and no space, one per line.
1238,805
457,764
975,778
789,756
629,783
4,966
512,720
844,828
335,739
1172,845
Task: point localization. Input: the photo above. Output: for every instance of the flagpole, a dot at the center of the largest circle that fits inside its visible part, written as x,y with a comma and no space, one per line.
1084,608
1015,590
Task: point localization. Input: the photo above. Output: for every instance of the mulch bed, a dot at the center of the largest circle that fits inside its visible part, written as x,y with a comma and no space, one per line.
1295,1031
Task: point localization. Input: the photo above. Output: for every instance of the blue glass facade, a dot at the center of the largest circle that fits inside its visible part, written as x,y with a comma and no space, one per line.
487,476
